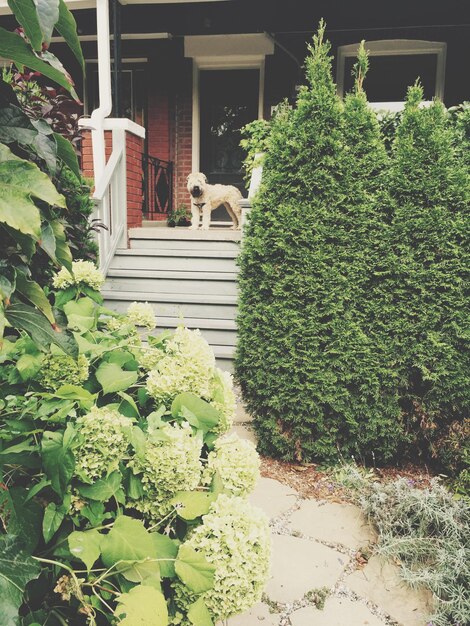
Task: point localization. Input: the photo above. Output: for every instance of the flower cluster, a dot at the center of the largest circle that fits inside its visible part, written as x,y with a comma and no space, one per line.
84,273
235,538
141,314
103,443
171,463
61,369
187,364
236,462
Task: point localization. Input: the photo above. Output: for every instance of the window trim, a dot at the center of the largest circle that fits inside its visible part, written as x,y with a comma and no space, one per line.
395,47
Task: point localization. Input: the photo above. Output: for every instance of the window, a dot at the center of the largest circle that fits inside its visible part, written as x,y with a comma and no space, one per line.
395,64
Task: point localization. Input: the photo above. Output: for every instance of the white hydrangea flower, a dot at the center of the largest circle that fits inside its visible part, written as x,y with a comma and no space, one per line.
141,314
84,273
236,462
222,398
104,443
61,369
172,463
187,364
235,538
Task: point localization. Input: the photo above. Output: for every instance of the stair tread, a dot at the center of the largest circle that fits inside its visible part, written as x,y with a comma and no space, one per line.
168,297
182,234
184,252
196,322
171,274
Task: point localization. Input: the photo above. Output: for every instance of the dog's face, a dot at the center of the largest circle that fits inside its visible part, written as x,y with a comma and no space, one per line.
196,184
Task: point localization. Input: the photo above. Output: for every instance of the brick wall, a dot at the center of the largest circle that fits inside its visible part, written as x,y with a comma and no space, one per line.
134,151
183,147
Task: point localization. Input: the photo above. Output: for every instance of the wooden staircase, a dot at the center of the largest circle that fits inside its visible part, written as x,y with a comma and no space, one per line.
186,275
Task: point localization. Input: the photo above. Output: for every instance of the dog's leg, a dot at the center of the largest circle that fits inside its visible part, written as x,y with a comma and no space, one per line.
194,217
206,216
232,214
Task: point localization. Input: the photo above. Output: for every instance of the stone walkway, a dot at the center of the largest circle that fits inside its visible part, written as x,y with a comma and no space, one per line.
316,579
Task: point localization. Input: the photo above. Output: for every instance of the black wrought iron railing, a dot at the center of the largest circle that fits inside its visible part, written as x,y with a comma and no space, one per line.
157,186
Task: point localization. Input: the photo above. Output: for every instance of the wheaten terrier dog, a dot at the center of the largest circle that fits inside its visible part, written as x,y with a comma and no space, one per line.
205,198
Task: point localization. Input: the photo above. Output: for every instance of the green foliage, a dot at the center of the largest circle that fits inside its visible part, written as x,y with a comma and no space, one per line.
427,531
353,338
179,217
255,141
103,488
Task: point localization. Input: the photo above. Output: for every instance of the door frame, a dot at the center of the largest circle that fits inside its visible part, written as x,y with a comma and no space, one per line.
221,52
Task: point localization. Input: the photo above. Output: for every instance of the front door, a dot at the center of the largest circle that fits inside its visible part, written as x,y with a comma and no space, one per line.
228,101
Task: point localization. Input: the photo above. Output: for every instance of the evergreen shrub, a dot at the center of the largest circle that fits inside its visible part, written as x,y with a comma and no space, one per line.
352,338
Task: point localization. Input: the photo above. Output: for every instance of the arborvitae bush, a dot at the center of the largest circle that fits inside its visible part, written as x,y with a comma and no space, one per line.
429,323
314,376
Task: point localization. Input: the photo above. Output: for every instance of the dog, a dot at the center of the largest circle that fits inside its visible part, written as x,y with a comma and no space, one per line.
205,198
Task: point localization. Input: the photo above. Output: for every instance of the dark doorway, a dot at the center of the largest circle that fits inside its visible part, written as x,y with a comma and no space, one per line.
228,101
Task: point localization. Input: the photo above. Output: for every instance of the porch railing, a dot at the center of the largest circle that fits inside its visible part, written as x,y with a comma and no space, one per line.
157,186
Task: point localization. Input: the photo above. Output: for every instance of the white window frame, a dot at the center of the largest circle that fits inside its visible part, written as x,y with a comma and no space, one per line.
223,52
394,47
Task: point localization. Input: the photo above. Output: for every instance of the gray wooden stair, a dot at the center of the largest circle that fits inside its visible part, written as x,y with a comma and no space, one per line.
188,276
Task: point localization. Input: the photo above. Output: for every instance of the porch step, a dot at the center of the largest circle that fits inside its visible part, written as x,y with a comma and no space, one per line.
184,239
216,332
160,281
176,260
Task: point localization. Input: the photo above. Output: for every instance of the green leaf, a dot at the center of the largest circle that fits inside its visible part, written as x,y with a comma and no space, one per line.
102,489
53,518
143,606
20,181
192,504
25,13
17,568
94,512
67,27
45,145
42,484
15,48
62,249
113,378
47,241
30,290
194,570
198,613
85,546
65,295
48,16
66,154
28,365
58,461
128,407
23,518
73,392
25,317
16,127
80,314
206,415
166,550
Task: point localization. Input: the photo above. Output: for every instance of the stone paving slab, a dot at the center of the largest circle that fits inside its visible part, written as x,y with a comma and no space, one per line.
300,565
244,433
380,583
273,497
333,522
258,615
337,612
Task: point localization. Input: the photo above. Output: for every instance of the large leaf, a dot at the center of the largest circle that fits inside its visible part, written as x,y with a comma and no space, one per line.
85,546
28,365
20,181
48,16
190,406
16,49
15,126
30,290
192,504
194,570
66,154
23,517
25,317
167,549
142,606
17,568
62,250
25,13
53,518
67,27
58,461
198,613
80,314
104,488
44,144
113,378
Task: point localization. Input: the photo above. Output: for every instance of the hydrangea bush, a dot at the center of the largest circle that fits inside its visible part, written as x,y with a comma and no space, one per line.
123,497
